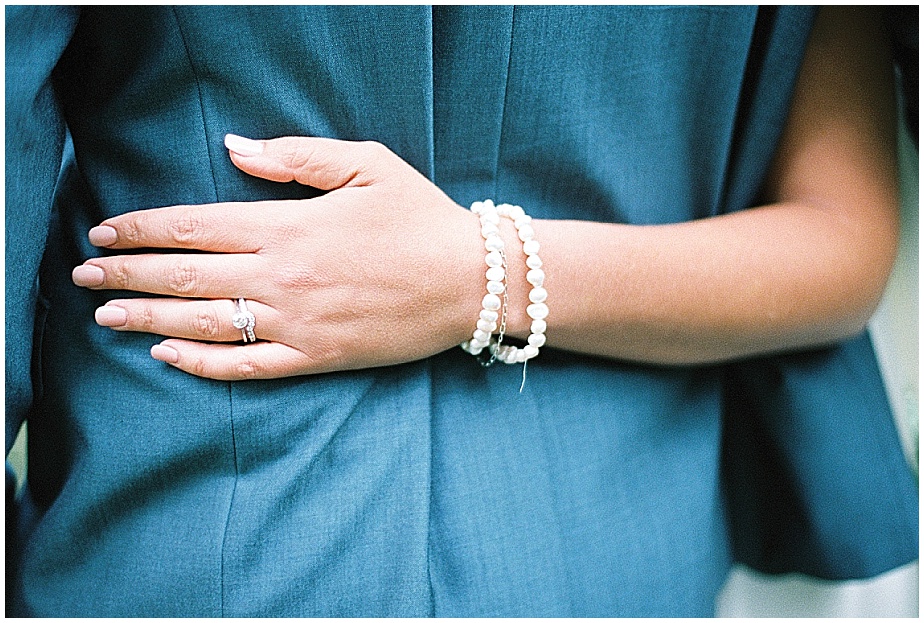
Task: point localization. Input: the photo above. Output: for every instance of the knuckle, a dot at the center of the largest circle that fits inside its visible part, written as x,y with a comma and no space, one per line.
285,230
187,229
326,353
374,150
369,159
130,231
206,324
297,278
118,275
293,156
144,318
246,368
199,366
183,279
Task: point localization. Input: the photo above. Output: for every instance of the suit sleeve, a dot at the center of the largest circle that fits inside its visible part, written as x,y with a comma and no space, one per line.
36,37
35,134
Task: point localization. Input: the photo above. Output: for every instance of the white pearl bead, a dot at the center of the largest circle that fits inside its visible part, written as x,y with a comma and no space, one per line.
523,220
537,311
536,277
538,295
487,327
515,212
481,336
525,233
489,216
494,243
488,315
495,273
491,302
531,247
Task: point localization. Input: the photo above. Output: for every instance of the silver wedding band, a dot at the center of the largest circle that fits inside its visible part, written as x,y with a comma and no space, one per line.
244,320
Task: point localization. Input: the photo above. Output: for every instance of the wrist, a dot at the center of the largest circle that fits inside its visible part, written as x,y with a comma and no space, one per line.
469,280
498,305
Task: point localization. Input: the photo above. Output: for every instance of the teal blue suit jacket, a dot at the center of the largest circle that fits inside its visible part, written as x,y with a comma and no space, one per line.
431,488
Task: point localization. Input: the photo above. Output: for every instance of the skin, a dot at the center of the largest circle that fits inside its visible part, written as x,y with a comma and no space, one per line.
386,268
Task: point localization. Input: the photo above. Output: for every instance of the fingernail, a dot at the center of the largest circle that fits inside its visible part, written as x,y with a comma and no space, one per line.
103,236
164,353
243,146
111,316
88,275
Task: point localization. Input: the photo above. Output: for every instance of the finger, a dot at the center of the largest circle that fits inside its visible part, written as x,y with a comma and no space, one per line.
226,362
219,227
226,275
323,163
209,320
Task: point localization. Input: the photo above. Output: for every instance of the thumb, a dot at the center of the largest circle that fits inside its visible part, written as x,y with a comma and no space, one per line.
323,163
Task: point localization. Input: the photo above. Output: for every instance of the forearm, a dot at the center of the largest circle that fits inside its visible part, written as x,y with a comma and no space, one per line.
773,278
385,268
805,269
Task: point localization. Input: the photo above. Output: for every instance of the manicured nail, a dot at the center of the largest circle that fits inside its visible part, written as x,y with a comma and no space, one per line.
111,316
103,236
88,275
164,353
243,146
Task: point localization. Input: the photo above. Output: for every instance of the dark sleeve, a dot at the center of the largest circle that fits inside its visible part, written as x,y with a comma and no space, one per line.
35,39
902,25
35,132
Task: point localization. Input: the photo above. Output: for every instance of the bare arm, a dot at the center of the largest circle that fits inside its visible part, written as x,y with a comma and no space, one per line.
386,268
805,269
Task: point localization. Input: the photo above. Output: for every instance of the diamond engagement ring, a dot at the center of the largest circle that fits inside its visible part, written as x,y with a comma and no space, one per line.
244,320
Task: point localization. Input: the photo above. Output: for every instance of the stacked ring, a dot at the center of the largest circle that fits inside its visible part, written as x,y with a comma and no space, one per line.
244,320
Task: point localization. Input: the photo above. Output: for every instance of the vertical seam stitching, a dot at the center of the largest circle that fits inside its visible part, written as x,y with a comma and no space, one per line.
429,554
500,139
224,536
750,72
205,132
432,154
432,410
195,74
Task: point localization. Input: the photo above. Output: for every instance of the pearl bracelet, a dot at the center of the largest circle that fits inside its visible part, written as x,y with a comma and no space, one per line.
538,310
494,307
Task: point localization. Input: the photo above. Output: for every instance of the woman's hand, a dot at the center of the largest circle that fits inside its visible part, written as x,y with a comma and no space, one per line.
383,269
